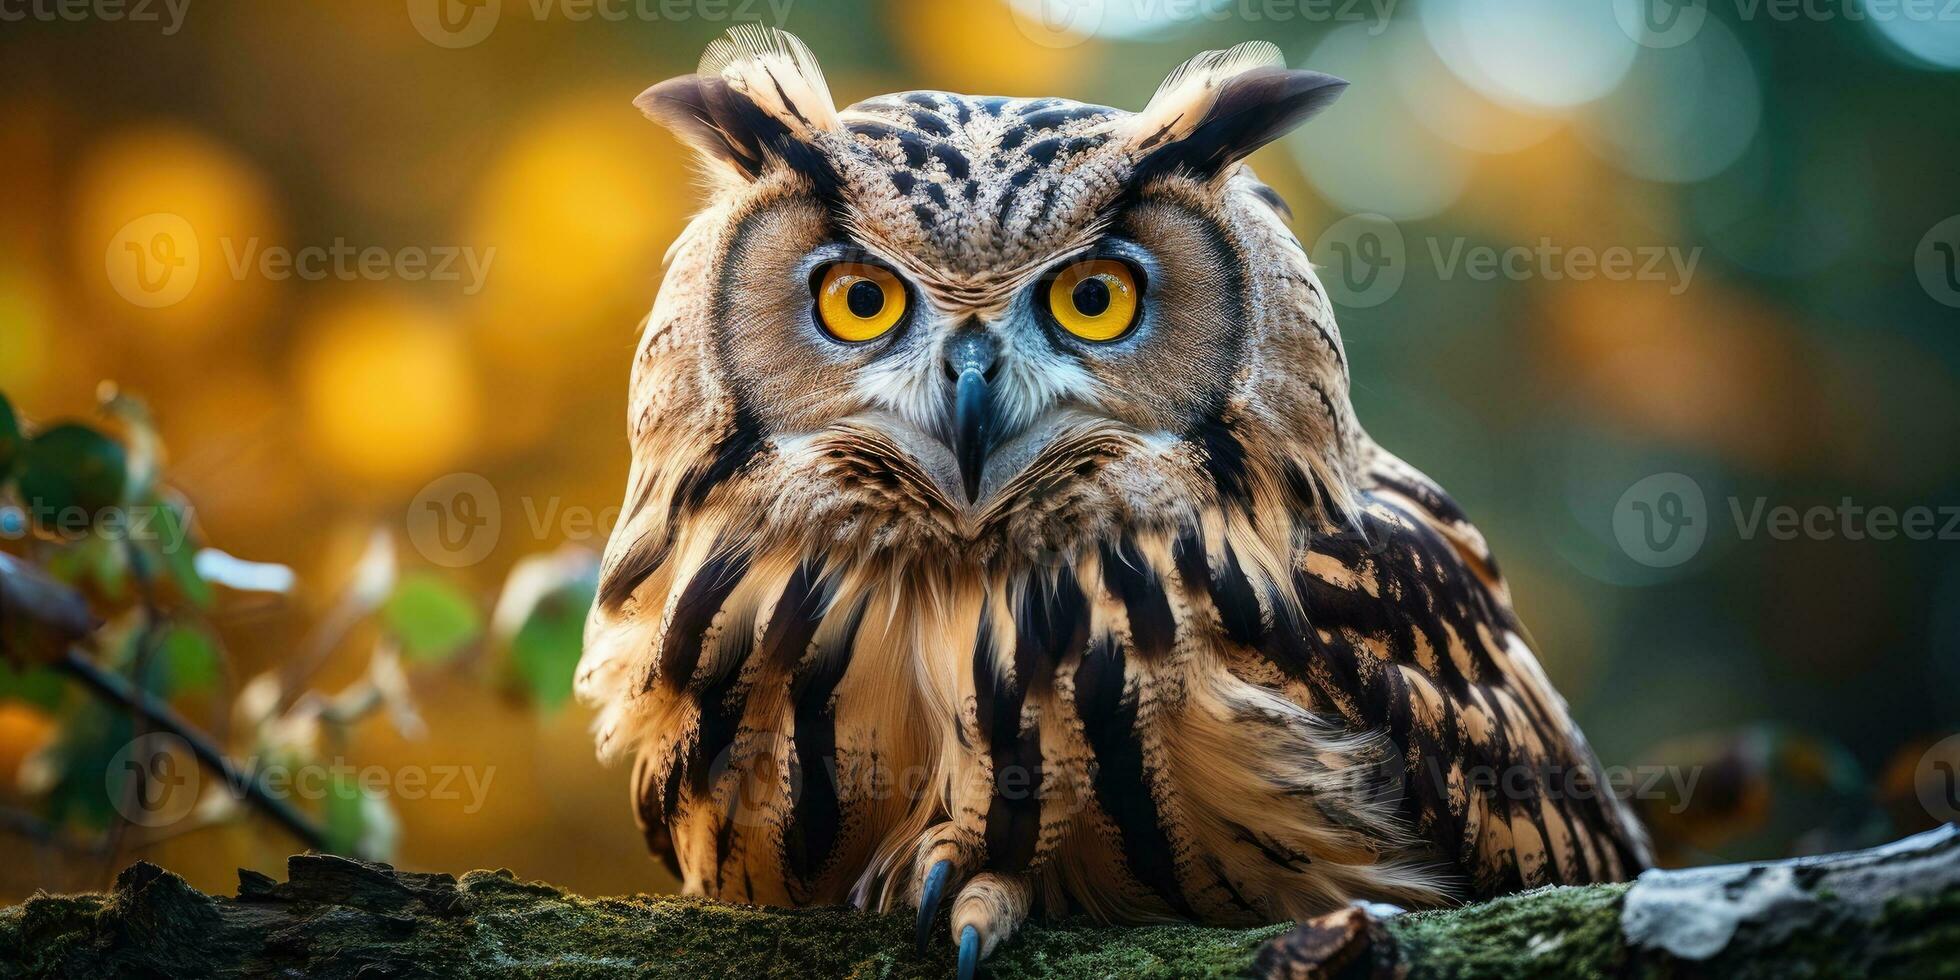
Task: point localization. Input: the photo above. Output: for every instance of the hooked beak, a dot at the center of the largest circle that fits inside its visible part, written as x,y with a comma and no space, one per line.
970,366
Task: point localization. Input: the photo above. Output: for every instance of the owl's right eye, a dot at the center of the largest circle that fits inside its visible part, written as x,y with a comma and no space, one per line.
858,302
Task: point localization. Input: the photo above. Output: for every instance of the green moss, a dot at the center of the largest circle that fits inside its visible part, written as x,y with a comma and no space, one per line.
1924,934
338,918
49,928
691,938
1550,932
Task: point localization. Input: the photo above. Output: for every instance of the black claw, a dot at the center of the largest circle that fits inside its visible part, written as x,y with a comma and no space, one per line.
929,898
969,952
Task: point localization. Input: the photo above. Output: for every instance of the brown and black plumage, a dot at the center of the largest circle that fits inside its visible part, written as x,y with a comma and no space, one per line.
1000,534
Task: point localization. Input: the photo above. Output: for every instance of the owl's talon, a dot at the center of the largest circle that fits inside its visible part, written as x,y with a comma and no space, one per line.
989,910
931,894
969,952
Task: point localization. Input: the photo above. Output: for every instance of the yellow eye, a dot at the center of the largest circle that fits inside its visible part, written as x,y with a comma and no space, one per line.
858,302
1095,299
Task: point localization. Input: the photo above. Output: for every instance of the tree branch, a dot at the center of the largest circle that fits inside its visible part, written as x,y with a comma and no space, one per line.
1892,911
163,717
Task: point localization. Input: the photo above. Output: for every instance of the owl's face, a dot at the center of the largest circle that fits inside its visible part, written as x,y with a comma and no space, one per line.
933,321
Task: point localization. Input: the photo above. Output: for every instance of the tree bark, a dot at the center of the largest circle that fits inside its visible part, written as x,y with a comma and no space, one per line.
1888,912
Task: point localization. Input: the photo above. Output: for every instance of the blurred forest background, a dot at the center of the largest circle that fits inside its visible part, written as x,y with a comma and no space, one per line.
1812,354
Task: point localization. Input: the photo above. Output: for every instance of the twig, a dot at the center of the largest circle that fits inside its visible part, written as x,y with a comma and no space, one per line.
160,715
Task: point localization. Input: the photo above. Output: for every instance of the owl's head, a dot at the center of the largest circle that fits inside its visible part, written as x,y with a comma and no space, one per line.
976,326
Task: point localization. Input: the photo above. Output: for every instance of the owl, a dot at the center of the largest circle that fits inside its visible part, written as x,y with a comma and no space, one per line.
1000,540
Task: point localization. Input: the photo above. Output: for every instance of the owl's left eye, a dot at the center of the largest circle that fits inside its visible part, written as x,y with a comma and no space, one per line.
858,302
1095,299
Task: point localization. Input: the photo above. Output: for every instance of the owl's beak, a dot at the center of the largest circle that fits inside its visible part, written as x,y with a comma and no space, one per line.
970,365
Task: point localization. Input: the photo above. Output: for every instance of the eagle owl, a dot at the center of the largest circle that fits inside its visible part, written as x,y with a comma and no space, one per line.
999,531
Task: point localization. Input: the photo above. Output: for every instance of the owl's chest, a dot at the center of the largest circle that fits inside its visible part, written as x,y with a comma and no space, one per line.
812,734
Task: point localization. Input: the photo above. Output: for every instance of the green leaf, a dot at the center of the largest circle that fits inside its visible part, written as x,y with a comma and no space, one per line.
342,815
169,538
71,471
432,619
88,786
10,439
544,653
38,686
190,661
96,561
359,823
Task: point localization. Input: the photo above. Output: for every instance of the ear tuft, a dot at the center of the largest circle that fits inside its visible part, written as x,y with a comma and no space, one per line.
757,96
1218,107
777,72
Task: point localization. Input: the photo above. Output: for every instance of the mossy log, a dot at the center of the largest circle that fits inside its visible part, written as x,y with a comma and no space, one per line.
1889,912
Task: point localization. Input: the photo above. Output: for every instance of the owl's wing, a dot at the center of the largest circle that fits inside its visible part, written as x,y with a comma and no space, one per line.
1406,626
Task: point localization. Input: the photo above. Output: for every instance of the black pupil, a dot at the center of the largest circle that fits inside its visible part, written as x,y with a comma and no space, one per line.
1091,296
865,299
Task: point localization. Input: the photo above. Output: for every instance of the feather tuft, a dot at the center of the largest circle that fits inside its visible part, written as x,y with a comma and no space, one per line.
1186,96
777,72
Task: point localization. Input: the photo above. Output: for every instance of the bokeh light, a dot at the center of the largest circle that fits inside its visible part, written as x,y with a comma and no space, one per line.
1685,112
388,390
1457,112
1546,53
1018,58
26,333
221,198
1368,152
573,208
1925,35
